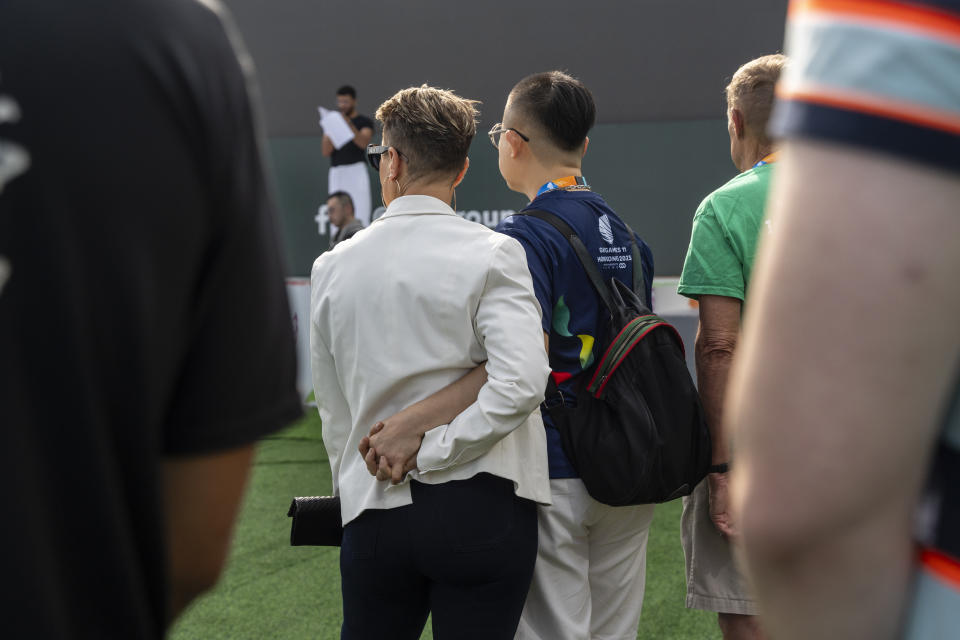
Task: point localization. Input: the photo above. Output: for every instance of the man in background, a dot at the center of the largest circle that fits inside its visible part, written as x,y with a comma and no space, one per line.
145,337
348,166
845,395
340,212
726,229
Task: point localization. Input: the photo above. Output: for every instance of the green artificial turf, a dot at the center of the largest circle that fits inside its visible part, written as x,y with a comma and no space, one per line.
272,590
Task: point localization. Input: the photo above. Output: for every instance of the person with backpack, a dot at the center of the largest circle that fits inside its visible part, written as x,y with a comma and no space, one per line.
589,578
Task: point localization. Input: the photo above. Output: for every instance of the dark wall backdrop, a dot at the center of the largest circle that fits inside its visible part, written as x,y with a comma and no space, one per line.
657,69
653,174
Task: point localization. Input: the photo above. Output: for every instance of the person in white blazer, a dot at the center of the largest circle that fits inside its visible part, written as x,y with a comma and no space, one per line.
414,303
590,574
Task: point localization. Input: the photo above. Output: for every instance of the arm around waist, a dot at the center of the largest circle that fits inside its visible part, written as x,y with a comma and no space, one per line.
507,323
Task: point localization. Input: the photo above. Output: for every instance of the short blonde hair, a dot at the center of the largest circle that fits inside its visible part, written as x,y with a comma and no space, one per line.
433,128
751,90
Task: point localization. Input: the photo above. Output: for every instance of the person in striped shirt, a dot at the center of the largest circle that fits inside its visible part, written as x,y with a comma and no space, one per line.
845,397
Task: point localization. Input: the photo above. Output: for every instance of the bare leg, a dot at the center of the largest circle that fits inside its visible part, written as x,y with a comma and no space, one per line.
734,626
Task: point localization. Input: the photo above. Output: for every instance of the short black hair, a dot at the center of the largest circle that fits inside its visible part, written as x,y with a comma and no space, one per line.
347,90
559,103
342,197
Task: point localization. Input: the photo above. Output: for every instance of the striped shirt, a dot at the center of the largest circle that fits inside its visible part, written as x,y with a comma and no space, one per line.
874,73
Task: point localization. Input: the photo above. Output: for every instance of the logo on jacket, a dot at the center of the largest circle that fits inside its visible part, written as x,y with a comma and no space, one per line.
606,231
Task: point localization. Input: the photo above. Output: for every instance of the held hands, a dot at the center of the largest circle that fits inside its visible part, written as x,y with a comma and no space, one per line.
390,449
719,504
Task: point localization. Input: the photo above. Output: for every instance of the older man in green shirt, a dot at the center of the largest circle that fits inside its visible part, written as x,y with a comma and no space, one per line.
726,229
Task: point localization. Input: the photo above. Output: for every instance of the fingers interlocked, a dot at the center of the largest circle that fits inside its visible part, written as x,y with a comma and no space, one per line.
379,465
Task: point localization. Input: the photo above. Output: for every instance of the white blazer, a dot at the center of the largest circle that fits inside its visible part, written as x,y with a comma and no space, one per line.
406,307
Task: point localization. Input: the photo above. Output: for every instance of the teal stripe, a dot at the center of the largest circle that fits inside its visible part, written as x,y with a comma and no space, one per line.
935,614
893,64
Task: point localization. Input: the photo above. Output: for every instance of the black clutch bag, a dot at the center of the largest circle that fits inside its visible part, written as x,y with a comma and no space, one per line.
316,521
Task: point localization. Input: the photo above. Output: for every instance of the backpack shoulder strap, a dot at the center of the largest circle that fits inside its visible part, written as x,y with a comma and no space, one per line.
639,278
589,264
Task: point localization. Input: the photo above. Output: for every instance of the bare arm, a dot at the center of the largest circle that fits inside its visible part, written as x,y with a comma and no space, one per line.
362,137
507,323
446,404
201,495
849,345
392,438
435,410
716,341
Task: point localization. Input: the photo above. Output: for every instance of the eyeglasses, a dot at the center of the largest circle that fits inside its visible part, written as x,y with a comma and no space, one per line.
375,153
498,129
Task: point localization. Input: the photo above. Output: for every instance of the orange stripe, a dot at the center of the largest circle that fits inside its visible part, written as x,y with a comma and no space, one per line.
772,157
567,181
897,14
941,565
873,105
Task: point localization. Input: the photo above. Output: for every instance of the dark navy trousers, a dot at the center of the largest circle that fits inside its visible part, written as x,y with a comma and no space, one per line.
463,551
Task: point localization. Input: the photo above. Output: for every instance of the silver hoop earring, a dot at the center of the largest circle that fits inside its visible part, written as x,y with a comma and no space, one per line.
399,190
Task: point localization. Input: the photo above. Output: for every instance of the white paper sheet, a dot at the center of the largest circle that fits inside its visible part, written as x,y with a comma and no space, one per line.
335,127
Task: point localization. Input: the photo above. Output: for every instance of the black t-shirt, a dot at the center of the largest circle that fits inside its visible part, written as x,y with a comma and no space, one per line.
350,153
142,306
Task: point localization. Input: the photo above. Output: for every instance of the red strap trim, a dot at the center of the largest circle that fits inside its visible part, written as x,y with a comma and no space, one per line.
941,565
627,352
560,376
606,353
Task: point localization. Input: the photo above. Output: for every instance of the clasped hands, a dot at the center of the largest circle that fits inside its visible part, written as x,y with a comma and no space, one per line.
390,449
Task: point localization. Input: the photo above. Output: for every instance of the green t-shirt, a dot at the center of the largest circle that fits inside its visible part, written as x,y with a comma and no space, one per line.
723,242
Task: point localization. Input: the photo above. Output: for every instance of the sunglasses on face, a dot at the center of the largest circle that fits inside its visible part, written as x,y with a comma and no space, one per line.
375,153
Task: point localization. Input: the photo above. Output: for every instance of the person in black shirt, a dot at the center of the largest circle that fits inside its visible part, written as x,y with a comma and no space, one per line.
145,337
348,165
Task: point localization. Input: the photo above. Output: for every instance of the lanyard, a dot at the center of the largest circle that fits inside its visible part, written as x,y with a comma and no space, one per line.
569,182
773,157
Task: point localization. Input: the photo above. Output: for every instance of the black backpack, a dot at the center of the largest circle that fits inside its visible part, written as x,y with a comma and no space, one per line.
637,433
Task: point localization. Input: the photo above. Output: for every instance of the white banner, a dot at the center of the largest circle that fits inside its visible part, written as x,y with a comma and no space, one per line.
298,292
